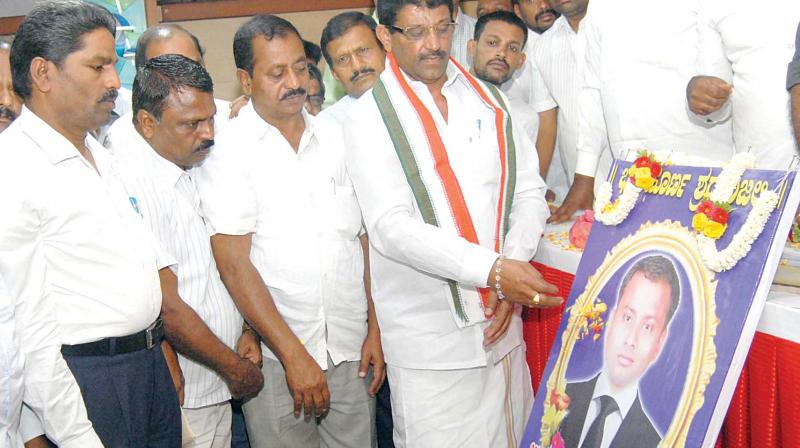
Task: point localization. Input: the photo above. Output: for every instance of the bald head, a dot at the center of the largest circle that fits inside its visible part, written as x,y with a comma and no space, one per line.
167,39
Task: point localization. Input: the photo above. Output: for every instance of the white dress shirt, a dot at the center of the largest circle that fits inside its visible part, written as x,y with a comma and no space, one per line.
77,259
639,55
302,212
338,110
624,400
558,56
168,200
749,48
464,32
410,260
11,365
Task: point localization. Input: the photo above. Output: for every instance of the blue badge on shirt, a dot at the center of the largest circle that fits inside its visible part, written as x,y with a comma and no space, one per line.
135,205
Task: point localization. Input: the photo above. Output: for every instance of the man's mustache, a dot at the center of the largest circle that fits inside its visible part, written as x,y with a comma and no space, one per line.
293,93
545,11
7,113
501,60
364,71
204,145
438,54
111,95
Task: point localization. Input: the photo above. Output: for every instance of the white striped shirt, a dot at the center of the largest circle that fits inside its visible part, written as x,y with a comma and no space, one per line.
464,32
170,205
558,55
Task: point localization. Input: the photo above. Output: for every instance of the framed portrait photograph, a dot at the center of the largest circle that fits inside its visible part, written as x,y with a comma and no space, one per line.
663,308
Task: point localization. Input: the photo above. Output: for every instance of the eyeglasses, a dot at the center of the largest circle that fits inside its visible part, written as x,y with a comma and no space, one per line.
418,32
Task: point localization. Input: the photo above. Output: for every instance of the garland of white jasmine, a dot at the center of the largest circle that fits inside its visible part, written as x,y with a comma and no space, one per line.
742,242
612,213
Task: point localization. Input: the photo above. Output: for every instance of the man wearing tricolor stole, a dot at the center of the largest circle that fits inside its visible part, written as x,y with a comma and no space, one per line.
454,207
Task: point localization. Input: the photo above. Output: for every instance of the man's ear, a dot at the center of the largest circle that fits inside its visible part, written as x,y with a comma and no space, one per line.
522,58
146,123
246,81
517,11
472,46
41,73
385,36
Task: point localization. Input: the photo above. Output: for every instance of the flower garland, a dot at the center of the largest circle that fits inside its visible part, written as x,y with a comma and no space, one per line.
715,223
644,172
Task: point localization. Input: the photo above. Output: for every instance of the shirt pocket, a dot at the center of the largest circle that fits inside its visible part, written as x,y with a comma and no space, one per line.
342,215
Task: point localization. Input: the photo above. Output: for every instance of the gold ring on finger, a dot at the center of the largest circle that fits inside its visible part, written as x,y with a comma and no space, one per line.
536,299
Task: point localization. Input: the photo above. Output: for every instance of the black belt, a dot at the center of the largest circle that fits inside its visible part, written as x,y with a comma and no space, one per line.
145,339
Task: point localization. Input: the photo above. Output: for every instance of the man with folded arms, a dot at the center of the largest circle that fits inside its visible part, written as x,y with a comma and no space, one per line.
287,226
454,208
173,106
78,260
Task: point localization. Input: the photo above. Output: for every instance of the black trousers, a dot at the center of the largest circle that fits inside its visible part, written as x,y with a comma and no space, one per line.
130,398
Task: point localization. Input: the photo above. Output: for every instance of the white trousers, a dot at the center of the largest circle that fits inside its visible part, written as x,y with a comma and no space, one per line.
207,427
482,407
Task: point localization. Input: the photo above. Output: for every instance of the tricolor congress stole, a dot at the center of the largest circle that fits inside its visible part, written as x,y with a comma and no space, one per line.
418,145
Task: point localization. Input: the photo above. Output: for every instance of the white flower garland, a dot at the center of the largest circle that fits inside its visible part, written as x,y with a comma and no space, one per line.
616,213
742,242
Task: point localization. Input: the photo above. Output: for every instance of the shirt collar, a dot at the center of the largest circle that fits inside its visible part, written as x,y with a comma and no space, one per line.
163,170
259,129
54,145
623,398
453,75
562,25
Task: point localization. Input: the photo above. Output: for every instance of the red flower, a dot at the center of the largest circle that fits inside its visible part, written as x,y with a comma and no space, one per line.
719,215
705,207
655,169
641,161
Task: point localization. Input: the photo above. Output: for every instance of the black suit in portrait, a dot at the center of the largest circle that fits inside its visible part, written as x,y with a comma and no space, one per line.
636,430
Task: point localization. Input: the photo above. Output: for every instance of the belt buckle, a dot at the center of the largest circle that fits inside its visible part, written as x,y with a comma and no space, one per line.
149,333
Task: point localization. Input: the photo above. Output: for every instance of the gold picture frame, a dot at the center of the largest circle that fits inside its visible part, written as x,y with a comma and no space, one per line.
679,242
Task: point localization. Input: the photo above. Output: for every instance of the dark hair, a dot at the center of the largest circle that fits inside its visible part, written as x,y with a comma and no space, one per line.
159,33
340,25
262,25
387,9
53,30
162,75
657,268
501,16
316,74
312,51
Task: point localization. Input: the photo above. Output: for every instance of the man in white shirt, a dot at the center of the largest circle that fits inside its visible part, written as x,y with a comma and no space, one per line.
165,38
793,85
740,62
80,265
638,56
354,56
173,106
435,235
558,58
465,30
10,104
497,52
607,410
287,226
11,364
